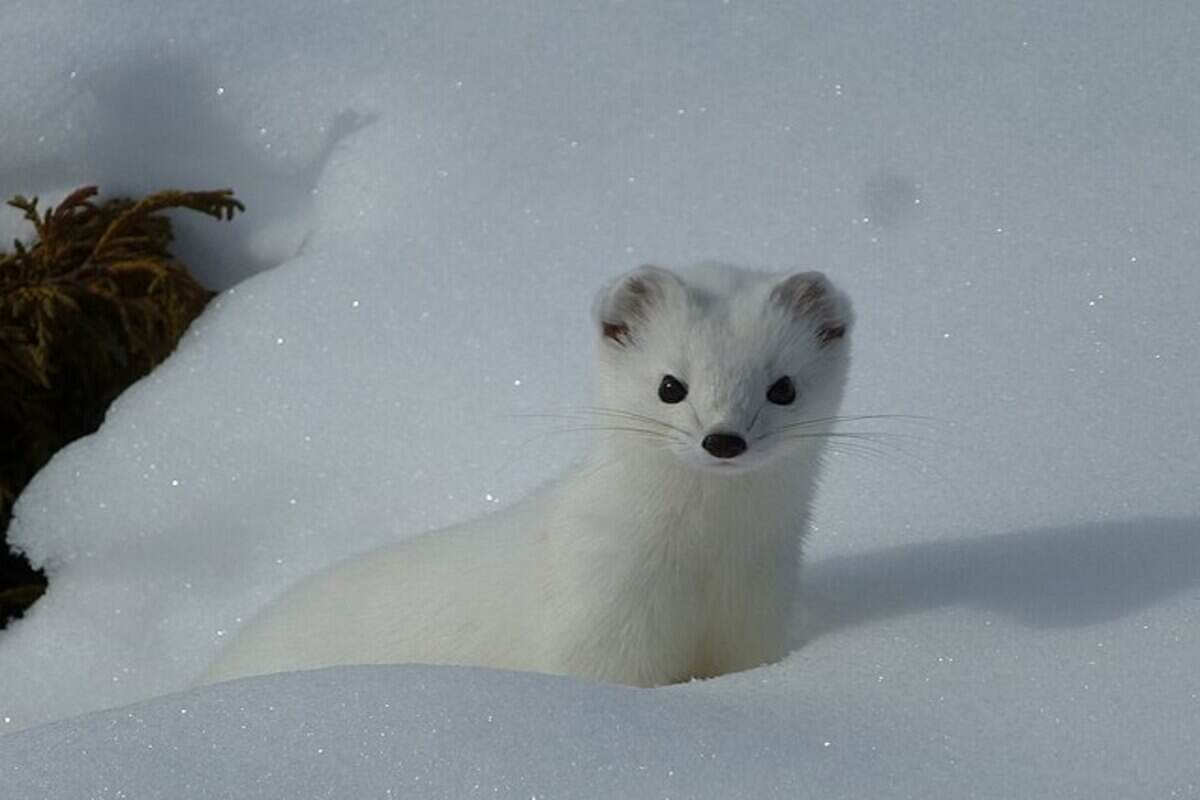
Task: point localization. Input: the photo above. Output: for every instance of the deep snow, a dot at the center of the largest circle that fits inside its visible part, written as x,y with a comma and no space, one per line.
436,190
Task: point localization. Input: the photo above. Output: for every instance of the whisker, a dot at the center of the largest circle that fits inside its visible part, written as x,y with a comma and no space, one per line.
882,438
521,447
889,438
600,411
874,442
858,418
614,429
868,454
645,433
875,456
898,451
631,415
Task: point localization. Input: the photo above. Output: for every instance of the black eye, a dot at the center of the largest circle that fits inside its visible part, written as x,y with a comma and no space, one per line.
671,389
782,392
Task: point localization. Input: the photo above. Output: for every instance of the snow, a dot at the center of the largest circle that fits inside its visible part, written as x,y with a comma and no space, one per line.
1006,607
420,731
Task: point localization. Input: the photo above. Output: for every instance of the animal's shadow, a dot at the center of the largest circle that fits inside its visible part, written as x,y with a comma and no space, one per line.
1045,578
153,122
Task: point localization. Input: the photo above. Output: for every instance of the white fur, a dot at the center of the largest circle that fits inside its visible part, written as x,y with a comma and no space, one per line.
651,562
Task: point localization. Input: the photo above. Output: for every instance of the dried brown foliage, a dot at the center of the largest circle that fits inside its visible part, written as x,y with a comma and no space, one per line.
91,306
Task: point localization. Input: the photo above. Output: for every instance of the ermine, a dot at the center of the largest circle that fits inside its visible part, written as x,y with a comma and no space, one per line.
672,551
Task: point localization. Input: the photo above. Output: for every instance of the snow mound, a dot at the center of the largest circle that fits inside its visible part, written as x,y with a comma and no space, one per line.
446,732
418,732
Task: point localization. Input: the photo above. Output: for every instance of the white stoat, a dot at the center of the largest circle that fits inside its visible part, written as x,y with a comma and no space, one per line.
671,551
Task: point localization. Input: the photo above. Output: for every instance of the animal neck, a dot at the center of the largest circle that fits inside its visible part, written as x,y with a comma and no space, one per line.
655,491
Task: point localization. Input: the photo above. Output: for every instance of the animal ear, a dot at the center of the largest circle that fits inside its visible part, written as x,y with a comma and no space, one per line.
809,297
624,306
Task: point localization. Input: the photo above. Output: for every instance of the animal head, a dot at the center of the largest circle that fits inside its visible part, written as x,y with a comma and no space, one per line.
728,369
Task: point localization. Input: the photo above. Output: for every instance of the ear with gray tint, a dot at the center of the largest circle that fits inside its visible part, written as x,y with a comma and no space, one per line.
632,299
810,297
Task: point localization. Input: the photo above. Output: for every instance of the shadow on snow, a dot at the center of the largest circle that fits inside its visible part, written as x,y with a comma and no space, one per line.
153,123
1045,577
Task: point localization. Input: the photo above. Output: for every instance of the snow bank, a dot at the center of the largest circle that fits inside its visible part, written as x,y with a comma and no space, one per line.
413,731
435,191
419,732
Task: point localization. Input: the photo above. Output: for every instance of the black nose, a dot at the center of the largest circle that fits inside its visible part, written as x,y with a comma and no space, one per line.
724,445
